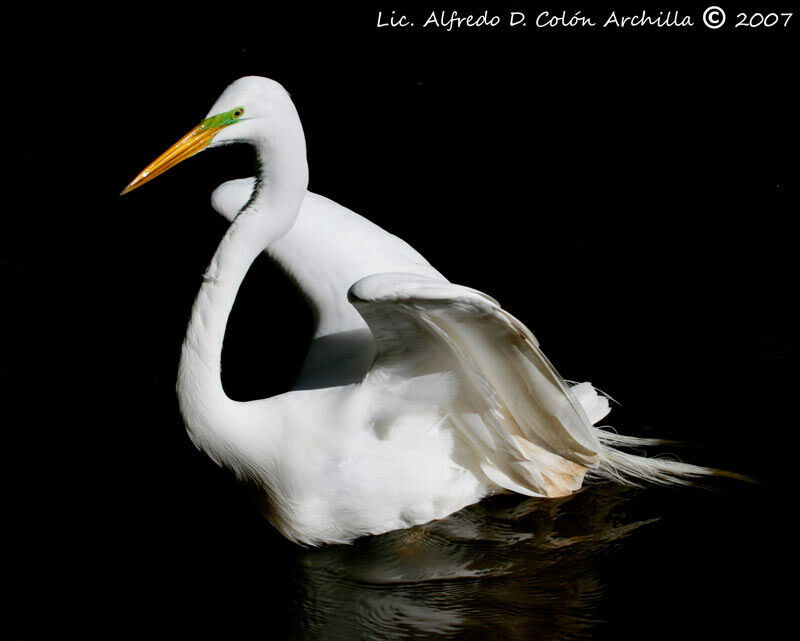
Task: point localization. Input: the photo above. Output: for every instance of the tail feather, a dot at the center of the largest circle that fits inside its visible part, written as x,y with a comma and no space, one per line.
632,469
636,469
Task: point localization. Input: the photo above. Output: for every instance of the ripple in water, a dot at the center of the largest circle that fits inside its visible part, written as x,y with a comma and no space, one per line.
499,569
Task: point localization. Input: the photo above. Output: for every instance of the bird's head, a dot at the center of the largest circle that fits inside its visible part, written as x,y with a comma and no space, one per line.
245,112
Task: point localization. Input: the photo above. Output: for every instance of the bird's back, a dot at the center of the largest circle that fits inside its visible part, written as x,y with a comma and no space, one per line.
327,250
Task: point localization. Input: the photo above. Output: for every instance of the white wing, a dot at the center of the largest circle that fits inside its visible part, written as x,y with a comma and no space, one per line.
522,424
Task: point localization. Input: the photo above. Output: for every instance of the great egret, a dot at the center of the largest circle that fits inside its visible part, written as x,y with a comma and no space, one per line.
417,397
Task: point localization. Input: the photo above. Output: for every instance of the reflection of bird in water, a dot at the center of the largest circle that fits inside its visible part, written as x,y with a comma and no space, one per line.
506,568
417,396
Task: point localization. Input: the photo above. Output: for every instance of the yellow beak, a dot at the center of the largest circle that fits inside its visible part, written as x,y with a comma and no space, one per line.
196,140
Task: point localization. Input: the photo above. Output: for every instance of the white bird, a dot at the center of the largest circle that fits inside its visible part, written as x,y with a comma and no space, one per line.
417,396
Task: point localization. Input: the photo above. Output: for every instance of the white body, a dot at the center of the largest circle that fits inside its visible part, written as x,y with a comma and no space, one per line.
369,448
417,396
355,449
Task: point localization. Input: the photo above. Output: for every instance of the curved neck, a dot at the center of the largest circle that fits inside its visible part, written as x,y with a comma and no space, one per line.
209,413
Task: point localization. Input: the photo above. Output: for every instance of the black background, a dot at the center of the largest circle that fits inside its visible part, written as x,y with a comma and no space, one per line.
627,194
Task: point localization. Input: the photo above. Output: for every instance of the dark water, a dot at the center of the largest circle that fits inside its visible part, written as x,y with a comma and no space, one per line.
526,569
606,563
509,568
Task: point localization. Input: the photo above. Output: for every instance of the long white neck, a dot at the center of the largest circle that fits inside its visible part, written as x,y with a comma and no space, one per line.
212,418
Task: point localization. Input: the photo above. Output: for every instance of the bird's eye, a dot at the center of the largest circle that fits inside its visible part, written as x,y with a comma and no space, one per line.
238,112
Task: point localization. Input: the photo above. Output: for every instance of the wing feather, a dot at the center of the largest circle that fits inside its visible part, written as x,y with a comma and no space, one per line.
527,430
